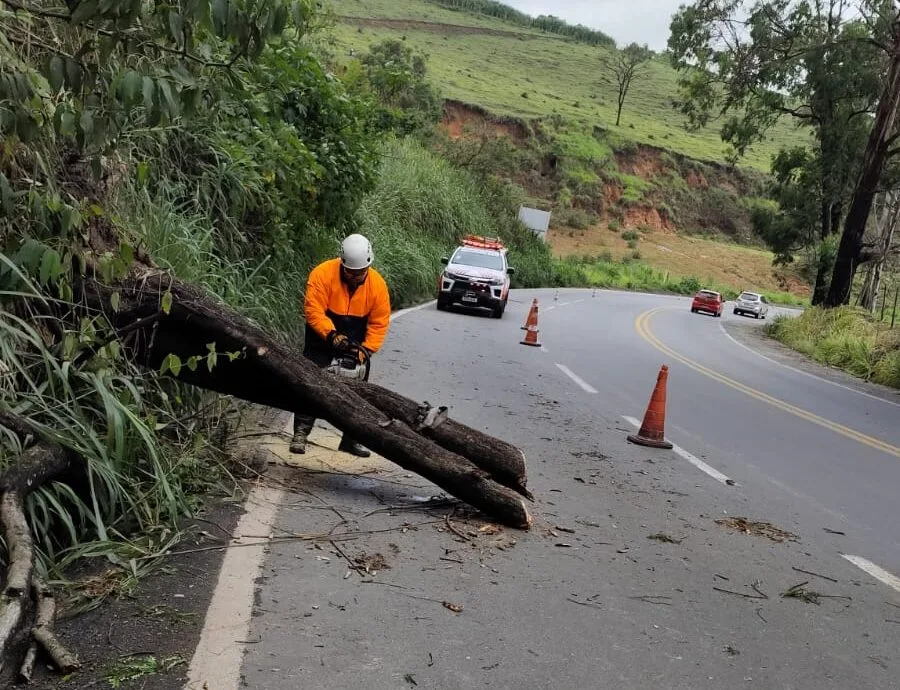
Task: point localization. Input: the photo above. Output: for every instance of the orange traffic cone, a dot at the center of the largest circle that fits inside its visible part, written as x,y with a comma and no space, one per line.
532,315
652,431
531,335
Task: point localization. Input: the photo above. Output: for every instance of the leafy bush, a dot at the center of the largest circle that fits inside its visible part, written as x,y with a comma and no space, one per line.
630,236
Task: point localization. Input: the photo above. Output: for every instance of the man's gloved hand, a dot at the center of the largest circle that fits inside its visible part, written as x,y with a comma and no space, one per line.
362,354
339,342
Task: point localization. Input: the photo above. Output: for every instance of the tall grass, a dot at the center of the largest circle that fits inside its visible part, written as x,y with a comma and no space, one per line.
420,209
127,427
847,338
263,288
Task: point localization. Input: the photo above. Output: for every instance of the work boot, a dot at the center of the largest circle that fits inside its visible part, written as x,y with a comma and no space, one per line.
354,448
298,443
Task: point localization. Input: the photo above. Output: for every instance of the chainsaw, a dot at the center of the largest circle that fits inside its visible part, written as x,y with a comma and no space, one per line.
347,364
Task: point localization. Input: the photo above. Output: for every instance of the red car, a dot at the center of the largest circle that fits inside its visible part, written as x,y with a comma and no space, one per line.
709,301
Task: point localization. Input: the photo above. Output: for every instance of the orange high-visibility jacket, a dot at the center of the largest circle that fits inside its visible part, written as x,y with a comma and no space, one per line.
328,306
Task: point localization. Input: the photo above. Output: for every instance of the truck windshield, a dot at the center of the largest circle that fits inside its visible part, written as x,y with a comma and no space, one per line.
465,257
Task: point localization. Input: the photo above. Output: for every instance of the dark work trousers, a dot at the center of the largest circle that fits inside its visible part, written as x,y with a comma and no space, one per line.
303,423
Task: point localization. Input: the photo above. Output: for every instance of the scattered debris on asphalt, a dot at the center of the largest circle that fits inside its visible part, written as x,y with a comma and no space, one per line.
755,587
834,531
371,563
410,678
664,538
588,603
759,529
730,651
799,591
652,599
561,528
814,574
456,608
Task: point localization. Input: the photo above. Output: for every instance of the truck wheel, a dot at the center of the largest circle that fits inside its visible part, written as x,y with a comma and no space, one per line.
498,311
442,304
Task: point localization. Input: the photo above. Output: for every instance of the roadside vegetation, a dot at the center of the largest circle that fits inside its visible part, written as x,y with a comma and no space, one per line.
848,338
237,159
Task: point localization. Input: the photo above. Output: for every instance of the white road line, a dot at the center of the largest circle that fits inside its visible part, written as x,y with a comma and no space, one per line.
805,373
696,462
577,379
564,304
404,312
220,652
549,308
875,571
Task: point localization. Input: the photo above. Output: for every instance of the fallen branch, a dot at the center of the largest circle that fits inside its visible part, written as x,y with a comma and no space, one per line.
270,373
759,594
26,620
810,572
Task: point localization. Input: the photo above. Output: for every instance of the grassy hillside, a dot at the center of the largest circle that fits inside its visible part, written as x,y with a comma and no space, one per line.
519,72
714,263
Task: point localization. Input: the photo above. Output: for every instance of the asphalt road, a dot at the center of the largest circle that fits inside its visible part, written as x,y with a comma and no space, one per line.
590,597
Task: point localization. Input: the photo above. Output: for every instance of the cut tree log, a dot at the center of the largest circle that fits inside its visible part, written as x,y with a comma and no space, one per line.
271,373
504,461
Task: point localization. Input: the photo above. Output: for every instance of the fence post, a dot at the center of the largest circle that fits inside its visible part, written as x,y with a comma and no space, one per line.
883,300
894,312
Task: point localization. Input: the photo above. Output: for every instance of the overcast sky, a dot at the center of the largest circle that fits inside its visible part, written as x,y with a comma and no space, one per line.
639,21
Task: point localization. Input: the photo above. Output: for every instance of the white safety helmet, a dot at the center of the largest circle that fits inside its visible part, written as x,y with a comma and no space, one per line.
356,252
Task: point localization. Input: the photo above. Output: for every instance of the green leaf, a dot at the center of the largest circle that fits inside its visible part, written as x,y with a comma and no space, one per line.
7,196
85,10
211,361
220,15
126,252
176,26
56,73
210,347
87,125
67,123
131,86
167,302
149,90
172,363
74,75
115,300
171,103
192,363
107,46
143,172
49,261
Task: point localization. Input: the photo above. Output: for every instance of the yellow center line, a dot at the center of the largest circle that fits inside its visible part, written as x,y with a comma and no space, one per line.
642,326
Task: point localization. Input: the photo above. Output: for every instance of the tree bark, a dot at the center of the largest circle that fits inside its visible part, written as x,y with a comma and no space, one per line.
505,462
269,372
37,466
874,159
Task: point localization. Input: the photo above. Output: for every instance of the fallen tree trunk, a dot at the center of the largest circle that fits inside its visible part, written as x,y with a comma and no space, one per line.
270,373
504,461
21,600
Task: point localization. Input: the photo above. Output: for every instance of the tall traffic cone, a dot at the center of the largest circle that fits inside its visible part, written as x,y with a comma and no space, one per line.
652,431
532,315
531,335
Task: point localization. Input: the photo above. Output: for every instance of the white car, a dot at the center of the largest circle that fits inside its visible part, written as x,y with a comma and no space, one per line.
752,304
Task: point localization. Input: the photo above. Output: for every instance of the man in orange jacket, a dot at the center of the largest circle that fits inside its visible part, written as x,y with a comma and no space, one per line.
347,310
